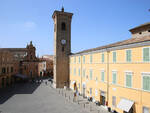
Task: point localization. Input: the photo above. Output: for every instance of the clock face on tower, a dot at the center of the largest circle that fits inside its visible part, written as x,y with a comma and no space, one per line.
63,41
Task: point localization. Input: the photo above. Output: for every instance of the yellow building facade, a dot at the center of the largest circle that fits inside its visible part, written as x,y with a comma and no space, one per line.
116,75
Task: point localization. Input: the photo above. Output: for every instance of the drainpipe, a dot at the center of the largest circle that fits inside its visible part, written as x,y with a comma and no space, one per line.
107,75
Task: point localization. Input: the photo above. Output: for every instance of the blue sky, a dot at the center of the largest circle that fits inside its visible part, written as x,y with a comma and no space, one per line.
95,22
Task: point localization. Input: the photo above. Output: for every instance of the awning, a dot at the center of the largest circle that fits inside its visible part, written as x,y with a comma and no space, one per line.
21,76
125,105
73,82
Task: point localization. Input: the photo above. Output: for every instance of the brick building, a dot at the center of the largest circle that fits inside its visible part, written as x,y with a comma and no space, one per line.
19,63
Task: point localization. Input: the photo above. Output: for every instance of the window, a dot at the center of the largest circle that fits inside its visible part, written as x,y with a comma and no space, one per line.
146,81
37,67
128,55
114,56
74,71
102,57
12,69
146,54
79,71
148,30
129,79
83,72
83,59
31,57
3,70
113,101
114,77
145,110
91,58
7,69
79,59
90,91
91,74
140,32
102,76
74,59
63,26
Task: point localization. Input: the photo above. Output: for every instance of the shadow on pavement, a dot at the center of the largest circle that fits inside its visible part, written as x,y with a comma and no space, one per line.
19,88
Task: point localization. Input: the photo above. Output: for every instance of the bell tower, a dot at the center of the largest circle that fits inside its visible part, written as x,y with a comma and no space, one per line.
62,47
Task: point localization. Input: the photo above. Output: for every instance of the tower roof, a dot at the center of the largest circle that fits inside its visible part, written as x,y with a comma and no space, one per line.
56,12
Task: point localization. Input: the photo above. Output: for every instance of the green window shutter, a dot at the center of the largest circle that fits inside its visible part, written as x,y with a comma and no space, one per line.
128,55
114,56
146,54
84,59
91,58
102,57
148,83
91,72
102,76
79,72
79,59
128,80
74,59
145,82
114,78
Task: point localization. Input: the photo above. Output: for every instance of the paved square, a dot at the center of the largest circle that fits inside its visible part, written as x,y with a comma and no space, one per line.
34,98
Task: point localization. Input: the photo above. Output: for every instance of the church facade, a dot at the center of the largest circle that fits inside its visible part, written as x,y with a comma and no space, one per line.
16,62
116,75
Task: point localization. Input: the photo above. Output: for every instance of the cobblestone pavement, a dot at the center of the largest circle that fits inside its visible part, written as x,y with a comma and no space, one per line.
83,102
42,98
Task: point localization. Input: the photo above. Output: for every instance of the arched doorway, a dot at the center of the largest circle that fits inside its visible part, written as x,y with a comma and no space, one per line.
84,89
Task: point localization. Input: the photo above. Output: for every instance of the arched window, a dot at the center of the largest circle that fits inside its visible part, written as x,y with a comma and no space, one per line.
63,26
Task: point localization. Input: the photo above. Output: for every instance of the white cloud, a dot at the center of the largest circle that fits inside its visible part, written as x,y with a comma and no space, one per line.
30,24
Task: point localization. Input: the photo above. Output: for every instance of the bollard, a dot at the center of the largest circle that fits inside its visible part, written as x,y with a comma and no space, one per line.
59,91
90,108
78,101
84,105
65,94
69,97
98,111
